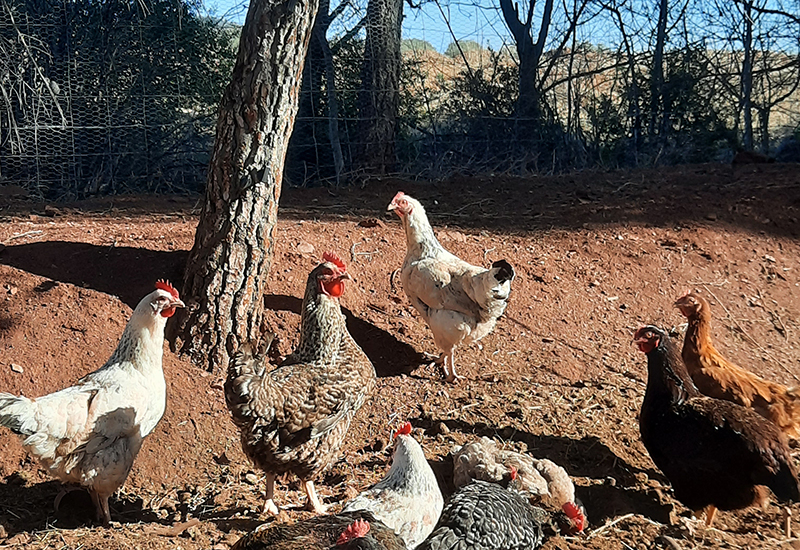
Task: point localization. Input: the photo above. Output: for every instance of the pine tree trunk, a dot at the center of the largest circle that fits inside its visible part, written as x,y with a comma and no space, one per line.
227,269
379,99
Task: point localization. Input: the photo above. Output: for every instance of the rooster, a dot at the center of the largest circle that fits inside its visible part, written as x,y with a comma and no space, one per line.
295,418
716,454
460,302
408,498
717,377
345,531
89,434
539,479
484,516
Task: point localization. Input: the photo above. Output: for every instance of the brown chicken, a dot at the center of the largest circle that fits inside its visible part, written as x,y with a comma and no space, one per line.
345,531
716,454
717,377
295,418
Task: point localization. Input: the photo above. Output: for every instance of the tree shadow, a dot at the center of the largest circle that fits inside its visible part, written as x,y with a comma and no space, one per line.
128,273
389,355
618,493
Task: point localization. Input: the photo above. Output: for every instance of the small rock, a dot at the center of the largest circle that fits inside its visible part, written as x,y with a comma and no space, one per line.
711,217
441,428
51,211
371,222
3,532
305,248
769,258
251,478
547,340
17,368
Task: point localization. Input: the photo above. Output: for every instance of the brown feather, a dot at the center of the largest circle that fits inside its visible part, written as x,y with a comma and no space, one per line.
717,377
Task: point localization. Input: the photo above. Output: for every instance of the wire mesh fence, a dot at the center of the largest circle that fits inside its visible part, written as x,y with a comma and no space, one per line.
121,95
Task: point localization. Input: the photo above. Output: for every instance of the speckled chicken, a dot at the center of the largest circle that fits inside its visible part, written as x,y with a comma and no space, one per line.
345,531
408,498
541,480
459,301
487,516
89,434
295,418
717,377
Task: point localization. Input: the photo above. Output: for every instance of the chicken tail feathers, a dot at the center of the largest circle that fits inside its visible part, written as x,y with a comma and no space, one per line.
502,271
17,414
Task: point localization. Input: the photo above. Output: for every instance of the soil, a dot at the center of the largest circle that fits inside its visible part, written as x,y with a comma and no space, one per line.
597,254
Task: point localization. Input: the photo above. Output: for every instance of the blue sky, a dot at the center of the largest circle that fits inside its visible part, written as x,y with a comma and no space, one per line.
477,20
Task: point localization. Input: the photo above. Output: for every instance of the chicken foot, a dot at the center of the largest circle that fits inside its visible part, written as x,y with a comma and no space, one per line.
269,504
449,365
101,504
313,503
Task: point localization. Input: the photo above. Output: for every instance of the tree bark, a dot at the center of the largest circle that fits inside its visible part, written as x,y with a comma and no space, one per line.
747,76
227,269
657,75
379,100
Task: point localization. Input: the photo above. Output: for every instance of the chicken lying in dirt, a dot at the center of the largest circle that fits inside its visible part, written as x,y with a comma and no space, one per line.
408,498
487,516
460,302
345,531
89,434
717,377
716,454
540,480
295,418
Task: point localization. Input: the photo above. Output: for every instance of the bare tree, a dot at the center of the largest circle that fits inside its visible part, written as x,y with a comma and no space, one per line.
379,99
228,266
529,52
657,73
747,74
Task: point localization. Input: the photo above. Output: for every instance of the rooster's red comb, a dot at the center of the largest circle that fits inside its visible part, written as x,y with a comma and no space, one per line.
574,513
161,284
405,429
356,530
334,259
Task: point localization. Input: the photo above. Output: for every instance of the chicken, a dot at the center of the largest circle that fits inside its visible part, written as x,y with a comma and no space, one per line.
485,515
538,479
295,418
89,434
716,454
460,302
345,531
717,377
408,498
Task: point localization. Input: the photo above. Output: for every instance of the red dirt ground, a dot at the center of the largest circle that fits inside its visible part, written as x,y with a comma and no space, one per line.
596,253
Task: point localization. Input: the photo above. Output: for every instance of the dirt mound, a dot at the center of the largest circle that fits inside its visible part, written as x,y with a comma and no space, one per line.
596,254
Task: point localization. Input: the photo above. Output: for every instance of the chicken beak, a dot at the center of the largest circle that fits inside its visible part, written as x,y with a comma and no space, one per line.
345,276
392,206
177,303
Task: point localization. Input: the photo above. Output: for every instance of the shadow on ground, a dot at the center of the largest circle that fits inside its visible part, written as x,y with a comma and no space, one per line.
389,355
128,273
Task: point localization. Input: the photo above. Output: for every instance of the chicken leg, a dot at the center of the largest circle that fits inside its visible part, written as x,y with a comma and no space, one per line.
449,365
314,503
269,504
101,505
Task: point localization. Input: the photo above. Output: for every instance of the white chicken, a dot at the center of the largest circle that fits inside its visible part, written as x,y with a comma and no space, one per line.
408,498
460,302
89,434
540,479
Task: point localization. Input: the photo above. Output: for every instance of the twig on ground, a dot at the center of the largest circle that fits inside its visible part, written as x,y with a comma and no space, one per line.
609,525
26,234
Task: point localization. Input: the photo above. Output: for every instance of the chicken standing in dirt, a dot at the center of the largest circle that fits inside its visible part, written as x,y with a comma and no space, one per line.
460,302
345,531
408,498
716,454
295,418
717,377
89,434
